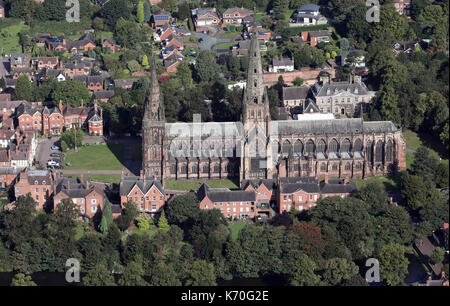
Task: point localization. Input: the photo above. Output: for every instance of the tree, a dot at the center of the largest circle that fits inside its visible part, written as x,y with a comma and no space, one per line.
338,270
71,92
437,255
302,273
99,276
416,191
298,81
435,213
147,11
310,237
393,264
23,88
206,67
182,208
145,61
127,33
164,275
280,8
184,73
132,275
143,223
344,44
201,273
140,12
21,280
424,164
107,217
417,7
130,212
113,10
184,11
374,193
162,222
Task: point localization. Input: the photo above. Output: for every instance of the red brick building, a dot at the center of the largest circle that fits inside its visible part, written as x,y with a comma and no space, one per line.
8,175
38,183
85,194
235,15
46,62
148,194
111,44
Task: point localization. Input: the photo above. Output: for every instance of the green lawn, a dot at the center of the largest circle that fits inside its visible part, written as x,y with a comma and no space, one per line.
412,139
150,233
195,184
226,45
415,140
9,38
96,157
409,159
388,182
236,227
229,34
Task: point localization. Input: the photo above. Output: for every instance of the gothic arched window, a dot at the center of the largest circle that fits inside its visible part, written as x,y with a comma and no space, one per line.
216,168
205,169
310,147
358,147
346,145
298,147
347,166
286,147
369,151
389,147
334,167
379,151
321,146
333,146
323,166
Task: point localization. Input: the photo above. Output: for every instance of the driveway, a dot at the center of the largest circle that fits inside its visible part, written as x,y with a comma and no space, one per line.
209,41
44,150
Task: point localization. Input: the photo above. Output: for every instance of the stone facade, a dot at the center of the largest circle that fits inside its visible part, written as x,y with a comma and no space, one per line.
262,148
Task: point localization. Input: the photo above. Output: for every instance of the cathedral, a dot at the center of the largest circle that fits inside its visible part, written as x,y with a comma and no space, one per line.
257,147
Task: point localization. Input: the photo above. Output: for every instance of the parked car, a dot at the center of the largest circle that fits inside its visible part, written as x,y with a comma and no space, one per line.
205,32
55,155
200,39
55,148
52,163
68,164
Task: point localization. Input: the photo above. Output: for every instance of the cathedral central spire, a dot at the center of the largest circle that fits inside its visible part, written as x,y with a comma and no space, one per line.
154,107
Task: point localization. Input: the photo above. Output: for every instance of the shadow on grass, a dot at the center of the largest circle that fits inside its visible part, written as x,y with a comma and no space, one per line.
432,143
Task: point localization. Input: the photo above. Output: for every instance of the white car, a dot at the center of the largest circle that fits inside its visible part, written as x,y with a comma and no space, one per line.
52,163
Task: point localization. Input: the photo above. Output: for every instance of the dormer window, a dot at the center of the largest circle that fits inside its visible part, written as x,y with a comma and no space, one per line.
36,182
43,182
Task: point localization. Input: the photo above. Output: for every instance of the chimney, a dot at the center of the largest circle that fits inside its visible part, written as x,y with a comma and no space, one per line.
346,180
95,106
60,105
81,178
141,174
326,178
101,112
68,184
82,103
87,183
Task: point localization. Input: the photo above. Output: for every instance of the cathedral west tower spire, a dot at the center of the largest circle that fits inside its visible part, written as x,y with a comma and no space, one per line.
153,130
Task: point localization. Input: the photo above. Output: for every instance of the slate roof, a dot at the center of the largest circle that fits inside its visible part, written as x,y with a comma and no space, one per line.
42,177
76,187
128,182
294,187
236,9
104,94
318,33
17,58
337,186
326,89
282,62
309,7
270,184
223,195
332,126
295,93
124,82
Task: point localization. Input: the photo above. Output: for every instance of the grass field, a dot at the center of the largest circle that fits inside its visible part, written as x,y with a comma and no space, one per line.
195,184
388,182
226,45
9,38
235,228
96,157
229,34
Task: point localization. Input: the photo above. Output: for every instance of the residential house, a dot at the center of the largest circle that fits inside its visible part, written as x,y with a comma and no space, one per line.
86,195
8,175
295,97
235,15
308,15
37,183
407,47
166,52
59,74
176,42
5,97
52,121
125,83
342,98
282,65
171,63
18,60
233,204
111,44
204,18
302,193
46,62
316,37
163,33
6,137
16,72
160,19
148,194
103,95
359,59
7,108
403,7
28,117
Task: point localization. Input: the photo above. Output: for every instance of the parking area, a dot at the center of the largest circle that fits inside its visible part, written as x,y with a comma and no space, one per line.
209,41
44,150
